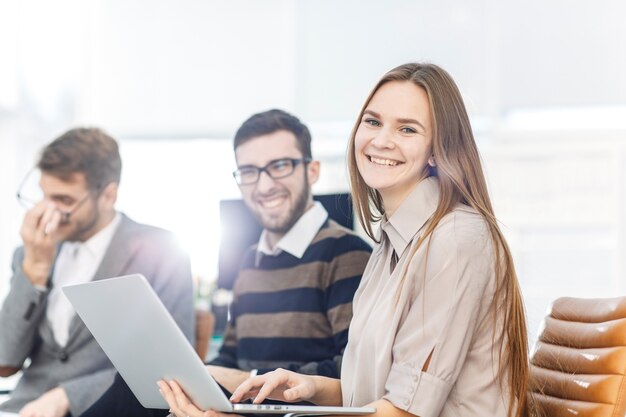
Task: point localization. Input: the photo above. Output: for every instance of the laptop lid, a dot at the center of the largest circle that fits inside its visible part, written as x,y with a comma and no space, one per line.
142,340
145,345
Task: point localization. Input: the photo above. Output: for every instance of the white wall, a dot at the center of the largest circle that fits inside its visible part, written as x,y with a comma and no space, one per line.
164,71
186,68
562,53
560,199
503,54
197,68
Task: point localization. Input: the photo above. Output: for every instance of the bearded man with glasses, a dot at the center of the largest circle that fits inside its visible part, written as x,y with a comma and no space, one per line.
72,233
293,295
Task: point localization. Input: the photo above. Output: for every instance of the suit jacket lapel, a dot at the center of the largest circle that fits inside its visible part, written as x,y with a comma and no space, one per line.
120,251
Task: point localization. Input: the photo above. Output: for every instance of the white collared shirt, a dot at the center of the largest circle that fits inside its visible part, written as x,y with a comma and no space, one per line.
299,237
77,263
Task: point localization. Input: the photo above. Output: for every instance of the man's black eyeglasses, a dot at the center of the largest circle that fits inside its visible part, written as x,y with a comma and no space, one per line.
279,168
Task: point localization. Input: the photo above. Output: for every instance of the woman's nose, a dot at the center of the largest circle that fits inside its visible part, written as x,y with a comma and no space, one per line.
383,139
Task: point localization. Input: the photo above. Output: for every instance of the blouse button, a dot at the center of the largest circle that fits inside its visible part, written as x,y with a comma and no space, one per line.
406,402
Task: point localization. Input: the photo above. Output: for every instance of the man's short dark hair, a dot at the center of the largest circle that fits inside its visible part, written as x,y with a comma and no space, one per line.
272,121
83,150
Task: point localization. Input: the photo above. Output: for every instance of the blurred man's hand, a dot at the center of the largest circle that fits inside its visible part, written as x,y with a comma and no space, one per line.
53,403
40,242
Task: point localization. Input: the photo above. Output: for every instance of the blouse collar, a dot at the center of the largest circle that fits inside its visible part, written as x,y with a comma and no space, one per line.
416,209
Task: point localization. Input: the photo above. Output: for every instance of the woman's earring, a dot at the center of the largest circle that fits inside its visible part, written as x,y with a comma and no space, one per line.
431,161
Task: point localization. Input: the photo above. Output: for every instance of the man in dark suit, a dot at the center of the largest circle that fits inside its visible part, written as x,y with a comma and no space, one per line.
74,234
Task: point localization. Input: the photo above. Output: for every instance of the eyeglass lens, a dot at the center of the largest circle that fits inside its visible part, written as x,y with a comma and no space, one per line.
29,194
276,169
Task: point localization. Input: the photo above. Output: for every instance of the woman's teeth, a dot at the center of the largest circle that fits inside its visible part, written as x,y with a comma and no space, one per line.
381,161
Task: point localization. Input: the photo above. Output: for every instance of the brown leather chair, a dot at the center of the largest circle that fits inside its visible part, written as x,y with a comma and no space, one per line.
205,323
578,365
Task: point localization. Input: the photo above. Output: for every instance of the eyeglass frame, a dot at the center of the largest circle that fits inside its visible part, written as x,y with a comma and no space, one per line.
294,163
28,203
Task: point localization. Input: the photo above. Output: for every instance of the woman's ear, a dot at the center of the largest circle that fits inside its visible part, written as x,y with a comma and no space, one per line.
431,161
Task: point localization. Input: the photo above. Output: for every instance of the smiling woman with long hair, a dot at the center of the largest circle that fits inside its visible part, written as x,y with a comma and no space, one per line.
437,223
438,326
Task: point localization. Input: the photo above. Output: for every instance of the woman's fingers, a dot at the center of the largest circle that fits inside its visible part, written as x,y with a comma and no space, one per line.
189,409
262,387
247,387
271,384
179,395
278,385
181,405
168,394
251,388
246,396
178,401
296,393
184,403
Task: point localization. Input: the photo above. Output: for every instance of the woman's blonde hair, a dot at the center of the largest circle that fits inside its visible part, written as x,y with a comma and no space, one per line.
461,180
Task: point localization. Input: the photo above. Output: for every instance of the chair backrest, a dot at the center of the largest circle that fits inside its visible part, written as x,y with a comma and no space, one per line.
240,229
578,365
205,322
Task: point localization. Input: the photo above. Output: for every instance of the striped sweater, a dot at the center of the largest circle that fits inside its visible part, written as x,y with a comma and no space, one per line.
294,313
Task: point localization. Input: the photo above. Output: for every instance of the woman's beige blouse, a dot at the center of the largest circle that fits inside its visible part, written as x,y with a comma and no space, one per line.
440,305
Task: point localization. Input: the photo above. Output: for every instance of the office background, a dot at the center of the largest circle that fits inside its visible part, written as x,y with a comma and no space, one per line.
543,81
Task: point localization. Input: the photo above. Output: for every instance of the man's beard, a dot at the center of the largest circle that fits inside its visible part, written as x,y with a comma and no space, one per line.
83,229
293,216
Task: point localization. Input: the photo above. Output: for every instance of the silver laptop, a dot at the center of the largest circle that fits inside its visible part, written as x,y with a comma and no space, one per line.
145,345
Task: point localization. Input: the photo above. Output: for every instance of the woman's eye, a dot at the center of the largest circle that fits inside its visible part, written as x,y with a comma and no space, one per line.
372,122
408,130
